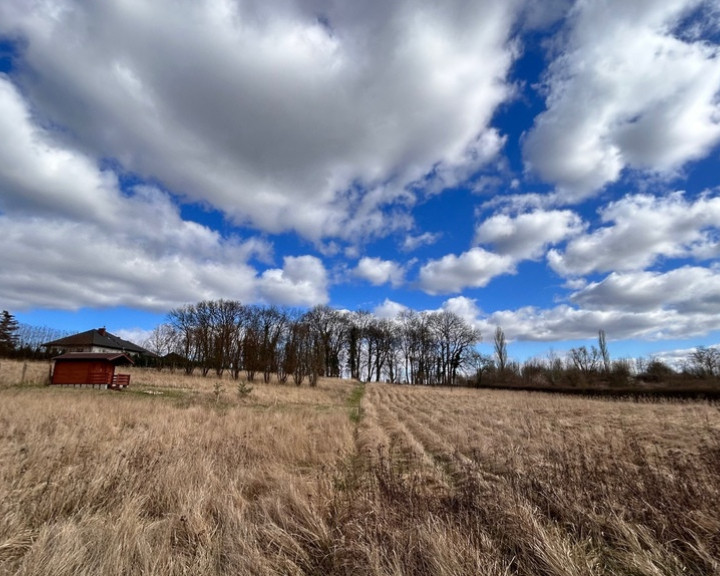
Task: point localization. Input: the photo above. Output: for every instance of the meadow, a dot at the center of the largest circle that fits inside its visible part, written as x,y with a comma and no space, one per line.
191,475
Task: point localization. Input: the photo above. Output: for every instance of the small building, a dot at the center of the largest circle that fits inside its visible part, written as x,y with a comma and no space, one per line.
97,340
96,370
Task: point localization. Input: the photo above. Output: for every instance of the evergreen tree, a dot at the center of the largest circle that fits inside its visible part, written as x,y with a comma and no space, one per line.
8,336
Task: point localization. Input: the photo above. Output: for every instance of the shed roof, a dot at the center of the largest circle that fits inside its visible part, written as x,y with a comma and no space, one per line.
112,358
97,337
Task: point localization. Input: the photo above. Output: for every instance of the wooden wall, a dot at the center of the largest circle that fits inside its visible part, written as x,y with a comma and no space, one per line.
83,372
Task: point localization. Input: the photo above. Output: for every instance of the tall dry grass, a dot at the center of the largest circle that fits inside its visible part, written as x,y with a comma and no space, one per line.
500,482
22,373
100,482
184,476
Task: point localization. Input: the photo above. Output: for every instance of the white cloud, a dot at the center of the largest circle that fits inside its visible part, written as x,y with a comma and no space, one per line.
681,303
474,269
678,358
644,228
413,242
389,309
528,235
671,317
626,91
77,265
71,239
378,271
570,323
136,335
301,282
284,116
37,177
687,290
464,307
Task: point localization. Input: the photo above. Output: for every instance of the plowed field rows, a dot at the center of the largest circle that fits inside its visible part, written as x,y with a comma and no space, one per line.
495,482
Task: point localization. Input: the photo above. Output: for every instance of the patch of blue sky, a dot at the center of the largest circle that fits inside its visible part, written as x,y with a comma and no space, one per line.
113,319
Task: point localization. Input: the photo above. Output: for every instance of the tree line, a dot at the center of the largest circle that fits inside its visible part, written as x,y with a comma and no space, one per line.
590,367
421,348
215,336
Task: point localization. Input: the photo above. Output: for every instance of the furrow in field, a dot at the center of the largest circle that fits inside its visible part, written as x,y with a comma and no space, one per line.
461,449
453,466
387,442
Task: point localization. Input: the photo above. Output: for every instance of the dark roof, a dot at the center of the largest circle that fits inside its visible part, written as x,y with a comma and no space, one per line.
96,337
118,358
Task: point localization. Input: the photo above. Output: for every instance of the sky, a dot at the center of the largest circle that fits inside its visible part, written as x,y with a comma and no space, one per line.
547,166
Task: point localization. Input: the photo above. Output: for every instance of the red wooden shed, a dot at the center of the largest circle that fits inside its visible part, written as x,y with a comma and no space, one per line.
90,369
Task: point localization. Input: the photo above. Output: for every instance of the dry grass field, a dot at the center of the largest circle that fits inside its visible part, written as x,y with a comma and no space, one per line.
179,475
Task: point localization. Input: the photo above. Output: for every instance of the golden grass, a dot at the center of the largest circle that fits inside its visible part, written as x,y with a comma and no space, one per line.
102,482
17,372
182,475
502,482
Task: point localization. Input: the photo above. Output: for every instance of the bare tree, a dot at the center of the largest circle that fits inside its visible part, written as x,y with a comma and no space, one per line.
225,315
183,321
585,360
273,322
479,364
604,353
236,349
704,362
329,328
500,347
382,340
161,342
355,337
455,339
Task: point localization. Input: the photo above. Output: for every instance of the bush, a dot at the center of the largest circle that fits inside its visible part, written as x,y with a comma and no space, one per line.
656,371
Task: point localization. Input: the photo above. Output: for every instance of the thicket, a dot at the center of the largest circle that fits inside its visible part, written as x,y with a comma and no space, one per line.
592,368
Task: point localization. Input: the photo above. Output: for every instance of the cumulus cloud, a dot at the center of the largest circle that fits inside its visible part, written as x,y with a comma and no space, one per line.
389,309
378,271
464,307
528,235
643,228
626,90
474,269
72,239
687,290
570,323
283,116
641,315
680,303
38,177
77,264
525,236
136,335
302,281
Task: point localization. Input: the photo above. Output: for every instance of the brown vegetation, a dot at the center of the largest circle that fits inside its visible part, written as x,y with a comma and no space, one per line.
501,482
181,475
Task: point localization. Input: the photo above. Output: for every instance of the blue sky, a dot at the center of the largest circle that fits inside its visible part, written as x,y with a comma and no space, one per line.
550,167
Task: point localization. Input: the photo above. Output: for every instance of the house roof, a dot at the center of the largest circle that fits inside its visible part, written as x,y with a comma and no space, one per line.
96,337
113,358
